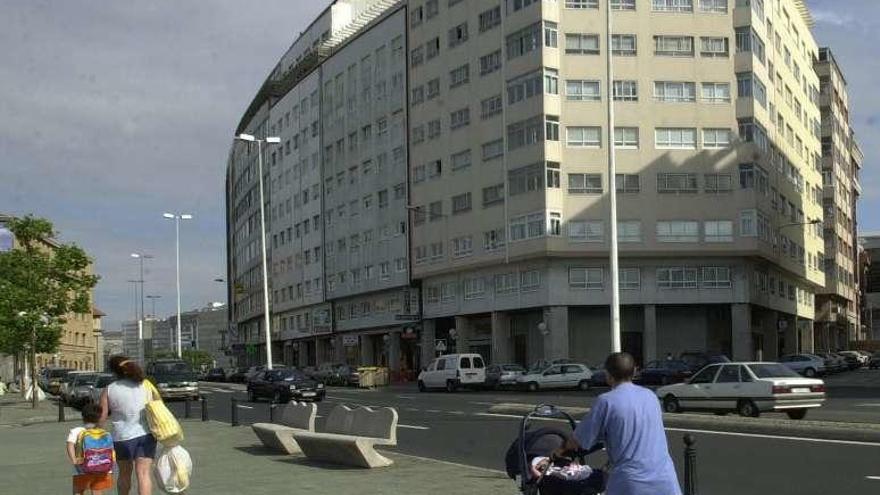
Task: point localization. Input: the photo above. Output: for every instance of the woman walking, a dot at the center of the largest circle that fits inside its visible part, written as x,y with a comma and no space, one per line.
123,401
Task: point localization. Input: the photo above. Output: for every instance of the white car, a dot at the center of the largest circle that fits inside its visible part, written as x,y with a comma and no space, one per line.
569,375
453,371
747,388
860,358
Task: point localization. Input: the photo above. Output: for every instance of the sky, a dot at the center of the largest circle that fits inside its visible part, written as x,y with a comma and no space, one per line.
112,113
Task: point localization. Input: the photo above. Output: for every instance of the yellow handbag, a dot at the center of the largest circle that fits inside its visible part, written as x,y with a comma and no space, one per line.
163,425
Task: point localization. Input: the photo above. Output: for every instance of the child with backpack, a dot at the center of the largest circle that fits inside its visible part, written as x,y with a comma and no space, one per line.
90,450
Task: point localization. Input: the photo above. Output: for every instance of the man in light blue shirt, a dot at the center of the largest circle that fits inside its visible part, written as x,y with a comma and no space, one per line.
629,422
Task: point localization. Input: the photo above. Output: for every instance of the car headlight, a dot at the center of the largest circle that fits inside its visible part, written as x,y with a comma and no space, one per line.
162,385
320,385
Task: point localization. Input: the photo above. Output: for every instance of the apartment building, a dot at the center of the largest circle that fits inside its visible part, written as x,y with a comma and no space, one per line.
337,197
837,315
870,286
718,181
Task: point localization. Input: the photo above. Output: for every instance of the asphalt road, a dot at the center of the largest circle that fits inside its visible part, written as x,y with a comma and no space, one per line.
456,428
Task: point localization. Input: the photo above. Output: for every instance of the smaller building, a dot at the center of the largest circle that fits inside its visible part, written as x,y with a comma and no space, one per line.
869,261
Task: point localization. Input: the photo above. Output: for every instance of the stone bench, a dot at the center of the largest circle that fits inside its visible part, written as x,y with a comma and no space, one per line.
295,417
350,437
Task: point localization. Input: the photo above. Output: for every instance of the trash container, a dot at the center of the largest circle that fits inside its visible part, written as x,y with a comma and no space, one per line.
367,376
382,378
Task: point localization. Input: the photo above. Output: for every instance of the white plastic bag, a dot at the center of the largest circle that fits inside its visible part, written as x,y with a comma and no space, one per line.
41,396
173,469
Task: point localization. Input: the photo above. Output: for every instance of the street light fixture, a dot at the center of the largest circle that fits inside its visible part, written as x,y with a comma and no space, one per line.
612,186
177,217
141,257
250,138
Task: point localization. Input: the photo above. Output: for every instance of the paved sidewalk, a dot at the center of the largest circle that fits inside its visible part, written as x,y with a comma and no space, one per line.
14,411
230,461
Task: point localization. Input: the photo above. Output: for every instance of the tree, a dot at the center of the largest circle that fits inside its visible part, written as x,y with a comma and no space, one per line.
42,282
197,358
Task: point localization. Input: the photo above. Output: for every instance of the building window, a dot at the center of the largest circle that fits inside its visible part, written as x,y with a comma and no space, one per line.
490,107
677,278
582,4
674,46
490,18
433,88
718,231
551,34
525,86
526,179
524,41
748,223
506,283
716,138
583,90
459,118
583,137
458,35
585,183
551,81
492,149
678,231
747,40
586,231
623,4
673,5
581,44
490,63
551,128
716,277
418,95
493,240
675,138
554,224
525,133
434,129
624,45
629,231
461,203
626,90
432,48
749,85
462,246
459,76
627,183
530,280
435,211
474,288
674,91
677,183
417,56
626,137
585,278
714,6
714,46
432,8
461,160
629,279
493,195
715,92
527,226
553,181
716,183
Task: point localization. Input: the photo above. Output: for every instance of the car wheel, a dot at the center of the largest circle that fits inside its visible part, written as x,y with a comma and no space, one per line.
670,404
451,386
422,387
796,413
532,387
584,385
252,396
747,409
809,372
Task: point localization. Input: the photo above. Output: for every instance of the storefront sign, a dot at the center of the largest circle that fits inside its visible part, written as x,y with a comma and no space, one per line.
350,340
405,317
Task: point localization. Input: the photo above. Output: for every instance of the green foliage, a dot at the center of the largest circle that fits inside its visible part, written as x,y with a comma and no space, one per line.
41,283
197,358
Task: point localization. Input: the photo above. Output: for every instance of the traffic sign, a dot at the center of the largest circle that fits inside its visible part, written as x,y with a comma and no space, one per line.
440,345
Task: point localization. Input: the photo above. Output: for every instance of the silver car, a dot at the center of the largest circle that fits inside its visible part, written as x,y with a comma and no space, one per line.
807,365
78,390
97,389
503,375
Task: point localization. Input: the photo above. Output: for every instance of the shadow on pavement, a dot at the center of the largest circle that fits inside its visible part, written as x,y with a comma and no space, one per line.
257,450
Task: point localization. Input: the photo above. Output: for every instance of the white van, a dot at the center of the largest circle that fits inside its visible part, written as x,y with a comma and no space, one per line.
453,371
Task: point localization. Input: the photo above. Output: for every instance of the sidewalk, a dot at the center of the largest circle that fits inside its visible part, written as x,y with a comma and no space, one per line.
14,411
230,460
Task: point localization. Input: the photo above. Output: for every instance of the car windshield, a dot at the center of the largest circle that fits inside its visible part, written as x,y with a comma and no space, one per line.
772,370
58,373
171,368
86,379
675,365
288,375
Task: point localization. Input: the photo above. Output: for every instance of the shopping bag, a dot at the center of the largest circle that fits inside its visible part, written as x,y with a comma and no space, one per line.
163,425
173,469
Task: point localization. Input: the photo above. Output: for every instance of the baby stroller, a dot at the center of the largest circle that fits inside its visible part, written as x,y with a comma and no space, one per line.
543,441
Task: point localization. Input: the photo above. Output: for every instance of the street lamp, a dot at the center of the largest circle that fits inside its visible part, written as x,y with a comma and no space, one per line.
152,298
177,217
612,188
141,257
267,321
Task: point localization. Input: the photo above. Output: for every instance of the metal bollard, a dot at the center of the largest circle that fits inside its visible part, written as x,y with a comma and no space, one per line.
204,402
690,465
272,407
61,417
187,408
234,418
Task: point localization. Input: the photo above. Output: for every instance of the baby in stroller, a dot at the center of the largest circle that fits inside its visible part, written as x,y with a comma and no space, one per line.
561,464
543,466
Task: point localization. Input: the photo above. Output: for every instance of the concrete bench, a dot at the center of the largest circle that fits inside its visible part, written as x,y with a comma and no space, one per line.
351,435
295,417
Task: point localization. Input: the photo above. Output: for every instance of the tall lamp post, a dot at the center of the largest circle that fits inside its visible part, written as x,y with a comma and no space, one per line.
266,313
177,217
612,190
141,257
152,298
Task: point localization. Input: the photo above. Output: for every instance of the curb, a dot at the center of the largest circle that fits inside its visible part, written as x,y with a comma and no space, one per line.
819,430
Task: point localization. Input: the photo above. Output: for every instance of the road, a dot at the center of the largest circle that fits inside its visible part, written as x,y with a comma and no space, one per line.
456,428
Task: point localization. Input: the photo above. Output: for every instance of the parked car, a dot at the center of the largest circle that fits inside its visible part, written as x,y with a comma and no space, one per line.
853,359
453,371
808,365
237,375
174,379
328,373
503,375
696,360
78,390
53,379
542,364
599,378
101,383
283,385
253,371
874,362
747,388
215,375
349,375
557,376
833,362
64,387
664,372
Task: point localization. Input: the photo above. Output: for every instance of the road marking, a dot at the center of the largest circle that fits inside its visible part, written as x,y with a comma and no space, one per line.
407,397
867,405
482,403
413,427
246,407
459,413
433,410
777,437
873,478
413,409
450,463
514,416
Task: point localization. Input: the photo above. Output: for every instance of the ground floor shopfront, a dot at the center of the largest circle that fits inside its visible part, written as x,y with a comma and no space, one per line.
583,333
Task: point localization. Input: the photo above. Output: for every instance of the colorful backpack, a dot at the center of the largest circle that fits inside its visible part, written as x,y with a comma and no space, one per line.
95,447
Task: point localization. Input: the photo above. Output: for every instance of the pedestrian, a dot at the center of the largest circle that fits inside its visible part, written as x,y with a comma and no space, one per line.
90,450
123,401
629,422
